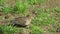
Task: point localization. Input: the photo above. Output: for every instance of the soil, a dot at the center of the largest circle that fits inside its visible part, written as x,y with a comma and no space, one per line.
48,4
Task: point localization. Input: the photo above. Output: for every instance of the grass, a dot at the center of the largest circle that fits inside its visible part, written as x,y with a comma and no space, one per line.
2,2
36,30
51,30
43,18
7,10
33,2
21,7
8,29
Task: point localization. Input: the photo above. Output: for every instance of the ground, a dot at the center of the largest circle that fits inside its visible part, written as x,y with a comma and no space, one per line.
46,21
